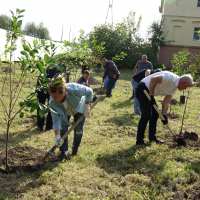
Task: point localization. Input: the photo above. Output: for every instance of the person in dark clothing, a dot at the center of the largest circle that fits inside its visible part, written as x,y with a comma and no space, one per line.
65,69
42,97
84,79
135,81
85,67
162,83
112,72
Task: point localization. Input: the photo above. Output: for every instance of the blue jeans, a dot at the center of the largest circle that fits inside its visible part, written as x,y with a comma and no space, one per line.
136,102
110,85
78,133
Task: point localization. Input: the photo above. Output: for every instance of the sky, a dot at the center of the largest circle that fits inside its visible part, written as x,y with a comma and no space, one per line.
81,14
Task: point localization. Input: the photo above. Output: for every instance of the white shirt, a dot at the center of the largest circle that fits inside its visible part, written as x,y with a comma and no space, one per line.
168,86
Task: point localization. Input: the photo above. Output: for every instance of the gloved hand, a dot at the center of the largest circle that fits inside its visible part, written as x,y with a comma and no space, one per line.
153,101
86,110
165,121
58,140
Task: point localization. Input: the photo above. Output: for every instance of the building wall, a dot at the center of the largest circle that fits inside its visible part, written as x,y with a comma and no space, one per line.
181,17
167,51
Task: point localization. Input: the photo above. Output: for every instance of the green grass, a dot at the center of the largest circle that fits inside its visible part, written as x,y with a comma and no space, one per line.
109,164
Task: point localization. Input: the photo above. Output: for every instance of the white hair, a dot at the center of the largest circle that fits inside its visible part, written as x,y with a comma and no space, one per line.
187,78
144,56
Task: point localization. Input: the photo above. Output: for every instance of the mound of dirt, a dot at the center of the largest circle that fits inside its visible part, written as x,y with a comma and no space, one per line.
100,92
191,136
190,194
98,70
172,116
93,81
24,159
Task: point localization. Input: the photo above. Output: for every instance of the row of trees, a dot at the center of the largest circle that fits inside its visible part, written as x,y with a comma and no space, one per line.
31,29
125,37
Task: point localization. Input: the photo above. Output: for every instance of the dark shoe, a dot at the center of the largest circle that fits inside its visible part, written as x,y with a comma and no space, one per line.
74,151
62,156
157,141
140,143
132,97
39,128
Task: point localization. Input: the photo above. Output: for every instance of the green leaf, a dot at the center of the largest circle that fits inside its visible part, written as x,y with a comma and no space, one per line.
47,50
20,16
45,111
26,47
22,104
43,42
19,23
56,76
52,45
46,58
21,11
24,53
40,66
35,42
35,50
21,114
12,12
41,114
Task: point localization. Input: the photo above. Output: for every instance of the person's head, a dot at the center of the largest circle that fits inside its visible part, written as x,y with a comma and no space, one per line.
157,70
57,89
184,82
104,62
144,58
86,74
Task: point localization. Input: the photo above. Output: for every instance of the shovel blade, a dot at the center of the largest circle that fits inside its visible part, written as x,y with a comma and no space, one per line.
48,153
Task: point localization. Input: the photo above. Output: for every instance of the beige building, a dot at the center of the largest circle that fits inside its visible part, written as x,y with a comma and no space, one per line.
181,24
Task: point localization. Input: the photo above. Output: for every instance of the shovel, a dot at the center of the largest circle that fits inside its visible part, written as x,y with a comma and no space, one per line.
179,140
68,132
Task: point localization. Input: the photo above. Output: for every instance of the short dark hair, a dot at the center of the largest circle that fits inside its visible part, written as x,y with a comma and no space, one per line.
86,72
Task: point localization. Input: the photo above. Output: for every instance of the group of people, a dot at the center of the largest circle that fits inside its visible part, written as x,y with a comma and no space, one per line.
73,99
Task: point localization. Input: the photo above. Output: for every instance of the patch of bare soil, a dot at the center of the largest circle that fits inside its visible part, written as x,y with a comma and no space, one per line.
98,70
98,91
93,81
189,194
191,139
24,159
172,116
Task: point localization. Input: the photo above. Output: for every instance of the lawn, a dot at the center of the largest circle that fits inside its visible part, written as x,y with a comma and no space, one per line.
109,164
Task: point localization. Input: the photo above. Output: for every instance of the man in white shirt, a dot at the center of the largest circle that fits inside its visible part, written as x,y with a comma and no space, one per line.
162,83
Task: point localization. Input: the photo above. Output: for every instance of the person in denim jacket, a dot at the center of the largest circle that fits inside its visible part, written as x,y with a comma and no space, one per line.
72,99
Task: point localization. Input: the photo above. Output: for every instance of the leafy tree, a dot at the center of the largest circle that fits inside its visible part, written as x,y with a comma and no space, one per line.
5,22
121,37
36,31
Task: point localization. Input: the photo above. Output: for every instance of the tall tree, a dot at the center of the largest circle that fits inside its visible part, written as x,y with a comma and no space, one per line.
37,31
5,22
120,37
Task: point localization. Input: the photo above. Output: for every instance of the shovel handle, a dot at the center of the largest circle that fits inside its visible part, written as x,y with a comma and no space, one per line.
160,114
68,132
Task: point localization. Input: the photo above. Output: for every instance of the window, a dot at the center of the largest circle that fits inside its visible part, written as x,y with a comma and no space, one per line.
196,35
198,3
